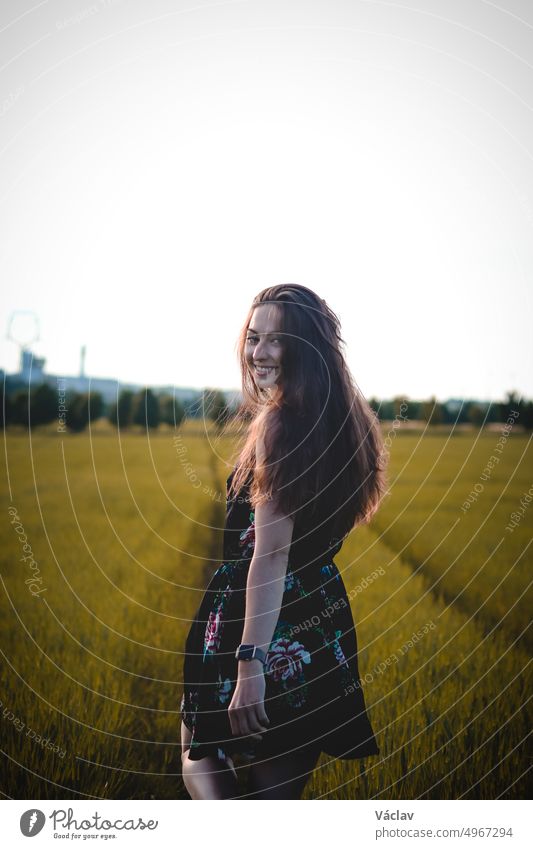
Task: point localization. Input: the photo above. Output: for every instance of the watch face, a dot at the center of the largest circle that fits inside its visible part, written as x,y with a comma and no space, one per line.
246,652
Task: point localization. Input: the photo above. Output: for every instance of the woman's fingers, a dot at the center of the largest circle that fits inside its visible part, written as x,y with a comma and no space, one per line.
257,718
245,721
239,721
262,718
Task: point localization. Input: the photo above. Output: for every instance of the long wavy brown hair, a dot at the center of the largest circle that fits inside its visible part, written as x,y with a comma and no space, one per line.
325,455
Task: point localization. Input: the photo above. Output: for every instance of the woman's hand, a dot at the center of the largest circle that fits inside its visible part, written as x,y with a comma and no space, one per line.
246,710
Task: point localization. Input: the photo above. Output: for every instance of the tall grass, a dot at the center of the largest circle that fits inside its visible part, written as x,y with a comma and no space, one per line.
125,533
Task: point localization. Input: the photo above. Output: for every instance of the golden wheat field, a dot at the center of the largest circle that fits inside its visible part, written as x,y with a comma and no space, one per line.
122,532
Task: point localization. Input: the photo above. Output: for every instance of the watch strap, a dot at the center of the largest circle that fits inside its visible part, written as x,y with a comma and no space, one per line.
247,651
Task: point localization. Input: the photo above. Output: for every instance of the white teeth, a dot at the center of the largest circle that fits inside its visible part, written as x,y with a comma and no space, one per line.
264,370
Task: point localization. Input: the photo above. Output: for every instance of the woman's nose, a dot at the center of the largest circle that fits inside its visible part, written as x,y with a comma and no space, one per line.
258,351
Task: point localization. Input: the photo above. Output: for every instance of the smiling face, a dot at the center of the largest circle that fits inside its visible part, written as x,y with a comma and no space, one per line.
264,346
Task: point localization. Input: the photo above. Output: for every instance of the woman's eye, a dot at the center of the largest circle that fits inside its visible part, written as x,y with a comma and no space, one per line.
254,339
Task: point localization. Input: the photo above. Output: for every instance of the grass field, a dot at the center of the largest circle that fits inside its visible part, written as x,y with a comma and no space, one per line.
124,533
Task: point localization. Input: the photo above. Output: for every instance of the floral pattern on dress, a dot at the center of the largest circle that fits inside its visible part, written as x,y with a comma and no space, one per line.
188,708
284,659
337,650
290,580
223,692
284,666
332,640
247,537
213,631
221,598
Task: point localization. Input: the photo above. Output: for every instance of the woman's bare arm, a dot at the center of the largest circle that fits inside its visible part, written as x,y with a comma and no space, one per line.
266,575
264,593
267,570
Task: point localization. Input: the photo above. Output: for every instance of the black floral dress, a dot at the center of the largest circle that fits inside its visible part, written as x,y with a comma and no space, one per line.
313,694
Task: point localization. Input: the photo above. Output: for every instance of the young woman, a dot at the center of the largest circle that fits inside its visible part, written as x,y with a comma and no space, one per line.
270,666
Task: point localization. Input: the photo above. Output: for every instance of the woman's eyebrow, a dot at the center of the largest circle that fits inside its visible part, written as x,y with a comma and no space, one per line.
272,332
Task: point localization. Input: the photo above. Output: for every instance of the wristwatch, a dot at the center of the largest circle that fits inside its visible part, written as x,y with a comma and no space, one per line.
250,652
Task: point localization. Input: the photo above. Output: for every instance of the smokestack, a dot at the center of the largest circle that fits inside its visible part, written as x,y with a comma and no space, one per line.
82,361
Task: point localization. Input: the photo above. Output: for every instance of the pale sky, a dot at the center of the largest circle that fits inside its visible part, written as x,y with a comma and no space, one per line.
162,161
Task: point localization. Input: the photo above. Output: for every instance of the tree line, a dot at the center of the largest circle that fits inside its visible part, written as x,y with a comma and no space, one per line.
477,413
42,404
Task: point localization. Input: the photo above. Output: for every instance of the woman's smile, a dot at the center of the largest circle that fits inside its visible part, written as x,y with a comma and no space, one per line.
264,347
262,371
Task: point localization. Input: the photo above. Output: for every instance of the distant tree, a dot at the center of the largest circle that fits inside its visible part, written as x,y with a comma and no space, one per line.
112,413
458,414
171,410
96,406
215,407
375,405
476,414
20,407
43,405
6,406
146,409
401,406
491,412
120,413
77,413
413,410
448,414
83,408
512,404
386,412
527,415
431,411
